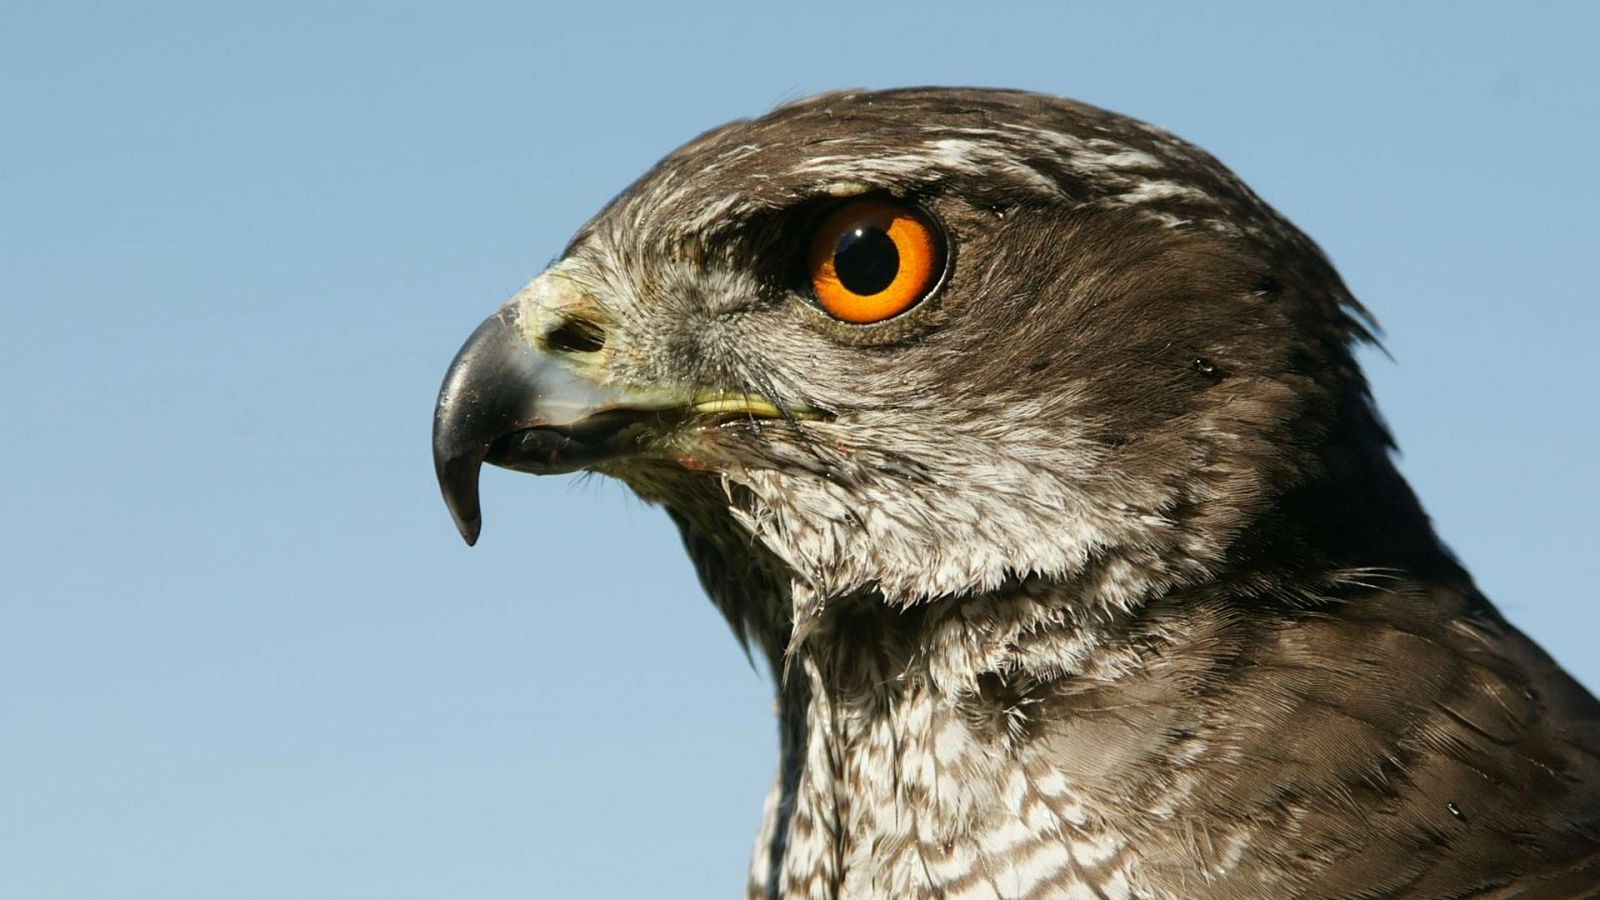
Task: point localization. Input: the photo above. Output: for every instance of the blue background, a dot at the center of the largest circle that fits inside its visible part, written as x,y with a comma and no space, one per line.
242,651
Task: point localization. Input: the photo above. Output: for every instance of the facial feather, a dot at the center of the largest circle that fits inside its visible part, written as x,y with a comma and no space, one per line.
1104,377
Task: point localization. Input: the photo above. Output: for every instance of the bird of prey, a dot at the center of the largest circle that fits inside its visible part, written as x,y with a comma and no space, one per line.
1028,446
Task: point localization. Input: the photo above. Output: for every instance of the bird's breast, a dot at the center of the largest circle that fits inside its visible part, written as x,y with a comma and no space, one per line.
908,799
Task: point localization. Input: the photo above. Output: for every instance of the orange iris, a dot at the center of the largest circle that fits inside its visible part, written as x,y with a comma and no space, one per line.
873,259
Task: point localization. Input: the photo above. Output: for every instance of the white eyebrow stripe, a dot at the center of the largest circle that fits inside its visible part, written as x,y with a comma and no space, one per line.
1152,191
1040,161
951,155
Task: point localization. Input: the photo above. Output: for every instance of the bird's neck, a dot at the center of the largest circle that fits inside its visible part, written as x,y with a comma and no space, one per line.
927,725
932,729
911,737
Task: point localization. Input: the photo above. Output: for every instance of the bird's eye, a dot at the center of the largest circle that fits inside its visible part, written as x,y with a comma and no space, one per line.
873,259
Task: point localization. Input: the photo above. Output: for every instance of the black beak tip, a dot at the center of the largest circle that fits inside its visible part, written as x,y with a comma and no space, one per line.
458,481
482,395
470,525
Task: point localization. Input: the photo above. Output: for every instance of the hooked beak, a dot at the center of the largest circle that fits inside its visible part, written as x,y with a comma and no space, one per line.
527,392
505,401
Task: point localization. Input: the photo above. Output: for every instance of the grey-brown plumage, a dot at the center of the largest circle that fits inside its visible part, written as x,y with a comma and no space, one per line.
1089,575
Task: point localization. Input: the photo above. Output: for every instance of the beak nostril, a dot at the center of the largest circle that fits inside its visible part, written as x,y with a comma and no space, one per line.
576,335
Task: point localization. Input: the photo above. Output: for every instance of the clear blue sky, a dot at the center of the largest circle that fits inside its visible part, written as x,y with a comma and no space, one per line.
243,653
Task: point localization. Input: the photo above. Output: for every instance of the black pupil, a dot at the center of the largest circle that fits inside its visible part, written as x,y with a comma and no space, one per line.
866,260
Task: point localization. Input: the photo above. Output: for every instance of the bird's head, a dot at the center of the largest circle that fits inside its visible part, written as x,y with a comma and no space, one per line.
920,342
